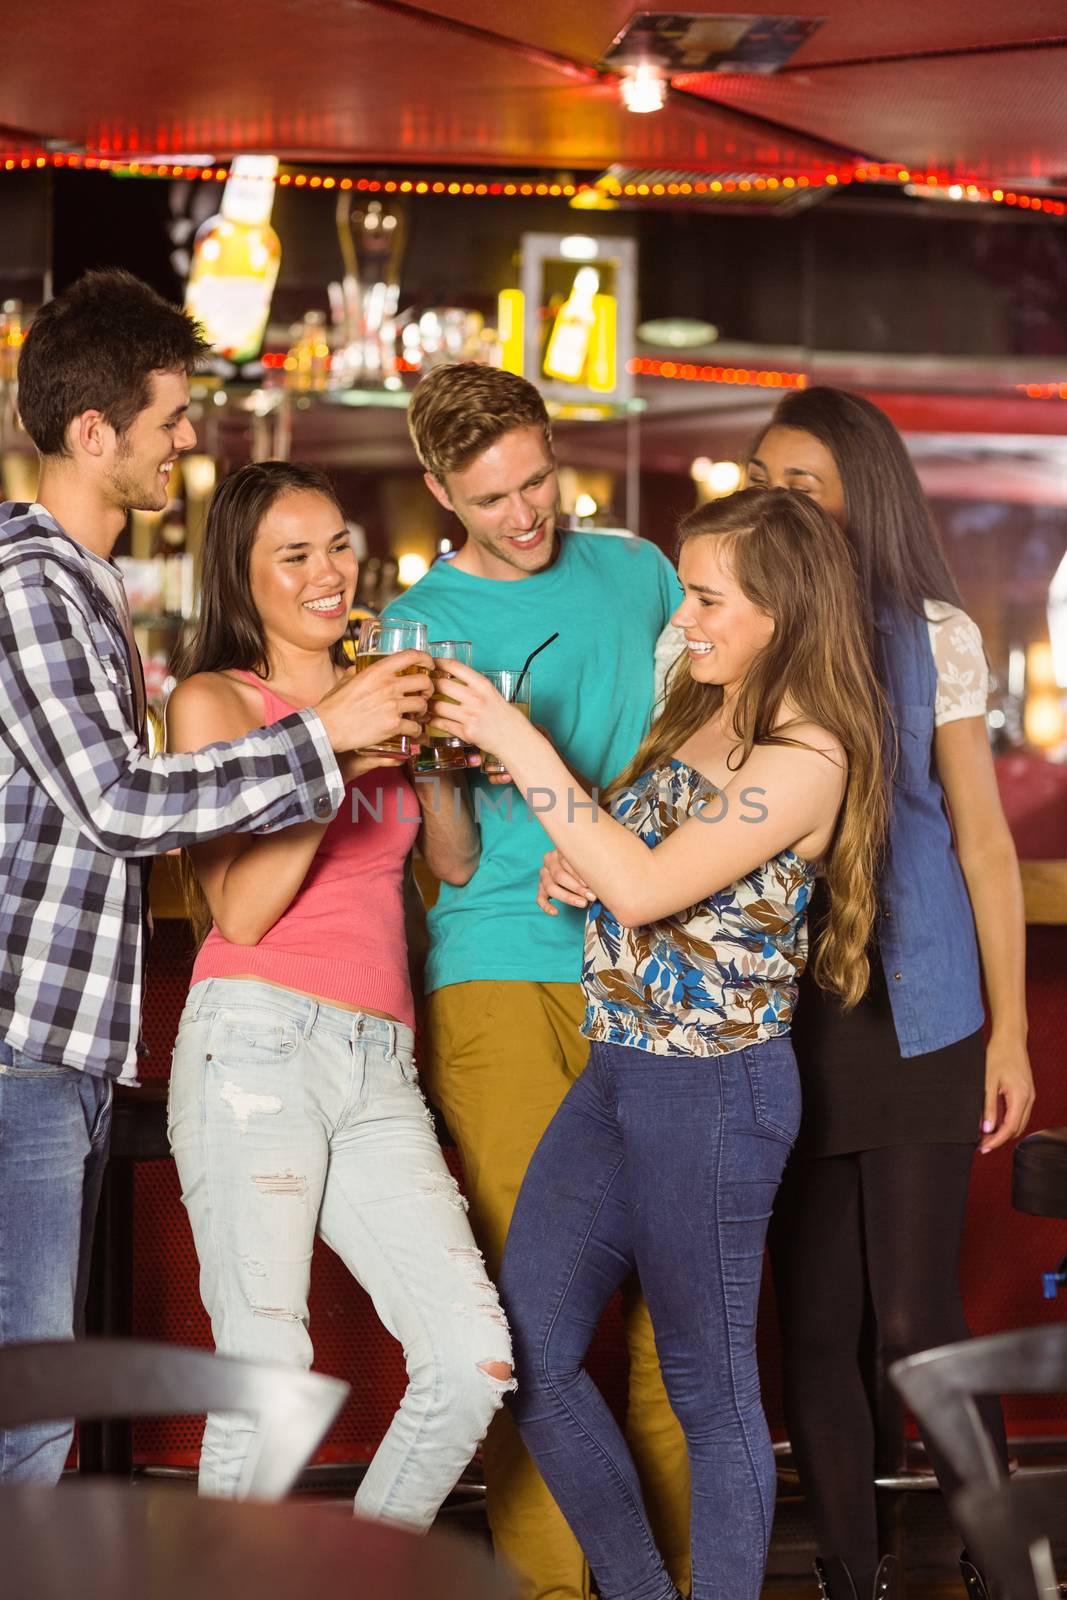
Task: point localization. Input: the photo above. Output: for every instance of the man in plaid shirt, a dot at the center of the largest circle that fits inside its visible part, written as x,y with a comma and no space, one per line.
103,394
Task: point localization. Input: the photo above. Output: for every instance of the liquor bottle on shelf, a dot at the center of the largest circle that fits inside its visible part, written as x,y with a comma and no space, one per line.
11,337
568,343
236,256
372,236
307,366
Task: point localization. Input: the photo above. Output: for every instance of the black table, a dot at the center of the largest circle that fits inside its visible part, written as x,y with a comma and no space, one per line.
100,1541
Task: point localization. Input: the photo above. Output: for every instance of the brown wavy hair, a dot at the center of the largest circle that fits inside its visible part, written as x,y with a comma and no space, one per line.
796,566
229,631
458,411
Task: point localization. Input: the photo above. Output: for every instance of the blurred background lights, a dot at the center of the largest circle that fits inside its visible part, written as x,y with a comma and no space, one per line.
715,478
578,247
411,567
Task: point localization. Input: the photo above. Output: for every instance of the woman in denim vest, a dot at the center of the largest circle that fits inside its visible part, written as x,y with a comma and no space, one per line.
898,1091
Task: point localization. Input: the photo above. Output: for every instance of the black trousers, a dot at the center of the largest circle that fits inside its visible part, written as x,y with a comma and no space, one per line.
876,1231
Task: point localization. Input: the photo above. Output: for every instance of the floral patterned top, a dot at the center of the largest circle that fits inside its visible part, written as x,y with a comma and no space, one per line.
717,977
959,657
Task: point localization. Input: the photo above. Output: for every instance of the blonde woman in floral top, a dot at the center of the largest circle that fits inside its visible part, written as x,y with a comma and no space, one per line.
764,766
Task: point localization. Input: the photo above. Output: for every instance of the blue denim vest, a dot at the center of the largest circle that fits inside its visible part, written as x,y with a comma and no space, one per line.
925,928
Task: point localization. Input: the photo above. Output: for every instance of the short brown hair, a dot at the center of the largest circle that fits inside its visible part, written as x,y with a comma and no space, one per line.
94,348
457,412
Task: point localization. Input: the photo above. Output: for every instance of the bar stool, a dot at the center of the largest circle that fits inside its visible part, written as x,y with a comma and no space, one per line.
1039,1186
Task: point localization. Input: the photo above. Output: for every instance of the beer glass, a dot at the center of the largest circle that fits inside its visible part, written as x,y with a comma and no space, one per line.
378,638
443,751
514,685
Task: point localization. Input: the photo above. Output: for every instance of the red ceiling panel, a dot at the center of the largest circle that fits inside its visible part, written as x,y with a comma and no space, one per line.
852,28
354,81
997,116
379,80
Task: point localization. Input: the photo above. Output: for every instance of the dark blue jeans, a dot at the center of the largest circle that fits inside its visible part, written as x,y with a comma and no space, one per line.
669,1165
54,1129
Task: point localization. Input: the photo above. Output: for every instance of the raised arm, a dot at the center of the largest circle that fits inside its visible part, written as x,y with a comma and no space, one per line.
62,719
785,795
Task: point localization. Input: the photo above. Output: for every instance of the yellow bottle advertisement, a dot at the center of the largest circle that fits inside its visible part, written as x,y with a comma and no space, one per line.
236,256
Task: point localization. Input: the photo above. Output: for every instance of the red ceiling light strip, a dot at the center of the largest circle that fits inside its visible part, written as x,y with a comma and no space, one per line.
689,372
508,189
959,188
700,188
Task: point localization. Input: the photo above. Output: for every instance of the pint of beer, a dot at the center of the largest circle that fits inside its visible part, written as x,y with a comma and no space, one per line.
444,751
378,639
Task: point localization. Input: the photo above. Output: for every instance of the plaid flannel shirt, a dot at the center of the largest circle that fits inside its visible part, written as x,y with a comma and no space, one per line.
82,805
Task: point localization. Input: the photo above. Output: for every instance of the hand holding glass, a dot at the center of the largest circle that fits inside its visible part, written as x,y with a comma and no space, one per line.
386,638
447,751
514,685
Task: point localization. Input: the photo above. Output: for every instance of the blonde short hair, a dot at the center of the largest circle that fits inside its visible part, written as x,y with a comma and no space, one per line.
458,411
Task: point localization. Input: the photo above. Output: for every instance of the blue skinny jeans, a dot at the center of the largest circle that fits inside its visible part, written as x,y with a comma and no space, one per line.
669,1165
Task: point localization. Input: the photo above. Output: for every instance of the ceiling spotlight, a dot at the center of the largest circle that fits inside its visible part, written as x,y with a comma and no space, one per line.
643,87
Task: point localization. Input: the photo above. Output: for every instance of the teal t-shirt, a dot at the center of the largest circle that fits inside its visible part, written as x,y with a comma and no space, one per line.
609,597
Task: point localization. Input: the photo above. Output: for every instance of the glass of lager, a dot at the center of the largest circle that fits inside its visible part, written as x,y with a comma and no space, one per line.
514,685
443,751
379,638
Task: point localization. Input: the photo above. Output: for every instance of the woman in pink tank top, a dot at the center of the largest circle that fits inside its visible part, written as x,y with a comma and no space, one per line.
294,1102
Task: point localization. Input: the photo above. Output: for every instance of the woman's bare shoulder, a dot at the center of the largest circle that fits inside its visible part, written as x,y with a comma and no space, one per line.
211,706
803,732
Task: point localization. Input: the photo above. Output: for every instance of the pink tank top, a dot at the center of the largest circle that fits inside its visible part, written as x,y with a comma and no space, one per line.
342,937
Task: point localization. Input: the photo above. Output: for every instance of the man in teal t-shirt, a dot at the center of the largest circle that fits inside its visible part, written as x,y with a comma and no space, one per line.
591,690
505,1001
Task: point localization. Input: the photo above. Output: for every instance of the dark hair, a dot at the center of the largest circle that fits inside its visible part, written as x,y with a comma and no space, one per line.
458,411
898,547
229,632
94,348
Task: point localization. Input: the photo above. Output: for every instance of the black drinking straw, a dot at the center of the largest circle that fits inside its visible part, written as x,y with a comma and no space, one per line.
529,658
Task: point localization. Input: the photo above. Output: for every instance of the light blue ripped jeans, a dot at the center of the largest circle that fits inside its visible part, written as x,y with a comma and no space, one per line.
289,1117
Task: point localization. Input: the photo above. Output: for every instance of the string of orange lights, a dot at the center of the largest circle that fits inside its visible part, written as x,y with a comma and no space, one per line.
699,187
526,187
688,372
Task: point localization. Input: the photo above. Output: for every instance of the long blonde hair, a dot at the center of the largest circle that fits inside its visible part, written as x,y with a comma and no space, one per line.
795,565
